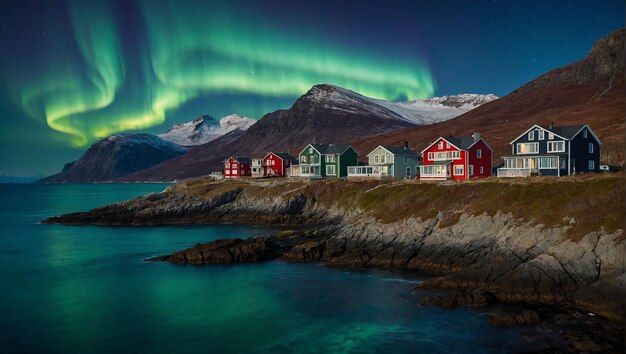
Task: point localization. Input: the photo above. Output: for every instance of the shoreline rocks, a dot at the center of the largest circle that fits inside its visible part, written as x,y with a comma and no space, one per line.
478,259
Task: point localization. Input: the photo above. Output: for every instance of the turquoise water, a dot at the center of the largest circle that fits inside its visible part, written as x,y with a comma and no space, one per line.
86,290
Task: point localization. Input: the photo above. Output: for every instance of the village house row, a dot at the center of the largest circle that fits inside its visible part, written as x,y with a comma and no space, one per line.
548,151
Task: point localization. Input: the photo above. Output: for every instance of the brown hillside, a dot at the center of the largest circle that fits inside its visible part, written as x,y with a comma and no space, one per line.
589,91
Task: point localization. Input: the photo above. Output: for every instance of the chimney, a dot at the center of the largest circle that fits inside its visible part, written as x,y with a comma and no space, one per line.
406,145
551,125
476,136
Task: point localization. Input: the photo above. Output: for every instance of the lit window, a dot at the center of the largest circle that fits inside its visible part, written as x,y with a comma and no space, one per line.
550,136
527,148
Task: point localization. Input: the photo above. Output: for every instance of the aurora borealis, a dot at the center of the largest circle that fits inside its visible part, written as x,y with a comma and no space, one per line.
74,71
114,86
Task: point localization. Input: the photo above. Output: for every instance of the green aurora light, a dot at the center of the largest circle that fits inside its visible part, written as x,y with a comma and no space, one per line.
103,82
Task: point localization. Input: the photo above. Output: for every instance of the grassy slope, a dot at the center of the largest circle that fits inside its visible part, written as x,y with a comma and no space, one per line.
594,202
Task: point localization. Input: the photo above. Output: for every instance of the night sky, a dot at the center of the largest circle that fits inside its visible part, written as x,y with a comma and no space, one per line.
75,71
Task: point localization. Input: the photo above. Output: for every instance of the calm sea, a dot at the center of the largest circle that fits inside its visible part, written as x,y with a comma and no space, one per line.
87,290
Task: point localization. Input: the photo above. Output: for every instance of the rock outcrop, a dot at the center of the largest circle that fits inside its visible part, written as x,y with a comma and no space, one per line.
485,258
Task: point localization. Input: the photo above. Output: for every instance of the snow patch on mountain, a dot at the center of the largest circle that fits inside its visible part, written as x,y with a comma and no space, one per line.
418,112
205,128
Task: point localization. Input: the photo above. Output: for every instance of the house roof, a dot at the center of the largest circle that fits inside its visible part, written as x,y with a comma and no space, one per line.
398,150
240,159
463,143
285,156
567,132
331,149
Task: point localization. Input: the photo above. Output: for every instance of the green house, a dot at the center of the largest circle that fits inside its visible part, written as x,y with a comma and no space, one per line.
327,160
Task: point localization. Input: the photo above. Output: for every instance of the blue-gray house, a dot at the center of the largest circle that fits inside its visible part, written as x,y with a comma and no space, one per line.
553,151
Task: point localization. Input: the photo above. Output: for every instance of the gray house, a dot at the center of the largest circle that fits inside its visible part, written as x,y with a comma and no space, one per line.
553,151
387,162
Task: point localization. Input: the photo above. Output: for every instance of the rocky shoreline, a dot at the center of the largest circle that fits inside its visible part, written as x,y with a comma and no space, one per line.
478,259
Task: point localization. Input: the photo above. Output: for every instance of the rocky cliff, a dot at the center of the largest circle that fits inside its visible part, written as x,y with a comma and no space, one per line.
475,236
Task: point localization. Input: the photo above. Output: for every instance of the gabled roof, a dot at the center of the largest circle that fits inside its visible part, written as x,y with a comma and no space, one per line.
567,132
240,159
396,150
330,149
284,156
463,143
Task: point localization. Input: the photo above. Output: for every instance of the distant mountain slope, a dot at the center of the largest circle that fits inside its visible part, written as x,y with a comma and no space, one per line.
116,156
588,91
436,109
325,113
204,129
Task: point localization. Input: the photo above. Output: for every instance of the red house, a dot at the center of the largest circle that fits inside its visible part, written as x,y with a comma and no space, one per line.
277,164
456,159
235,167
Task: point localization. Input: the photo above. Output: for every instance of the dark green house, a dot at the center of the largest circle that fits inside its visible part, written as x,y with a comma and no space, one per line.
327,160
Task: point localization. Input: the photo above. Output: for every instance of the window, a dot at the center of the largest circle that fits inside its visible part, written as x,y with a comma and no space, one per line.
471,170
406,160
431,156
440,145
302,159
408,172
542,134
376,158
331,158
592,165
454,155
310,149
585,133
531,135
459,170
548,162
448,145
556,146
591,148
234,165
227,165
330,170
527,148
479,153
382,158
234,172
562,164
550,136
429,170
482,170
227,172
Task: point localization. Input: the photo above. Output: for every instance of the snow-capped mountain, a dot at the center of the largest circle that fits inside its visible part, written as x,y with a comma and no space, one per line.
205,128
418,112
